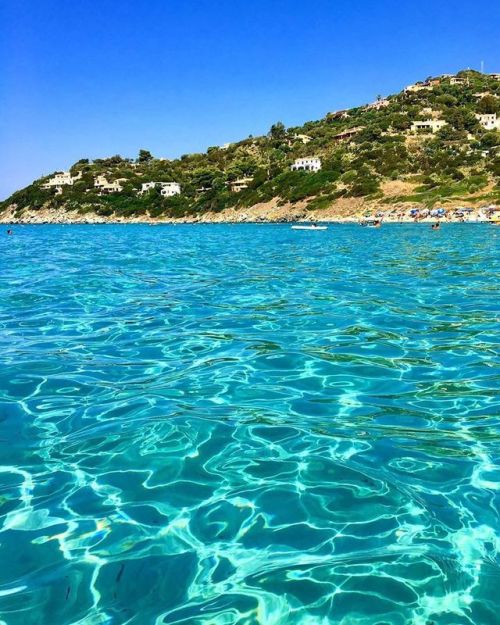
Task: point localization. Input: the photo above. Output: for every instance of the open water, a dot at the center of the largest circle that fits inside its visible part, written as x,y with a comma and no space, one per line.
249,425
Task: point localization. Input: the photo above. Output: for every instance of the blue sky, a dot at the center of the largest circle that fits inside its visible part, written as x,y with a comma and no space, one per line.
94,78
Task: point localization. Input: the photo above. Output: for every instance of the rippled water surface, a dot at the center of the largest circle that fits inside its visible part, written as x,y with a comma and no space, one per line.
242,425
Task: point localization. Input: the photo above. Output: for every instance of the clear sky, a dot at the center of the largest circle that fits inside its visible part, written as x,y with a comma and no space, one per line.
92,78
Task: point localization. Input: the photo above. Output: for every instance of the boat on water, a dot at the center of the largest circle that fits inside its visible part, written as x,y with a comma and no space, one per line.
311,227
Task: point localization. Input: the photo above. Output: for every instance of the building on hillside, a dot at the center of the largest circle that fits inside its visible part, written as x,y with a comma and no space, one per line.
167,189
457,80
347,134
378,104
104,186
419,86
303,138
429,125
240,184
481,95
495,76
61,179
310,163
337,115
489,121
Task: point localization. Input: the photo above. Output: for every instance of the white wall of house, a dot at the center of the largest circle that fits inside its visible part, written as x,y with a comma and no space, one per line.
429,125
62,178
239,185
489,121
167,189
306,164
107,187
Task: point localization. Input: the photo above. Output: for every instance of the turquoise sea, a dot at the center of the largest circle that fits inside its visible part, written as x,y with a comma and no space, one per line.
249,425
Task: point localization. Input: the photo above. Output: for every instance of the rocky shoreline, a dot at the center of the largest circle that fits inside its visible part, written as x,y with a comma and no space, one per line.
346,211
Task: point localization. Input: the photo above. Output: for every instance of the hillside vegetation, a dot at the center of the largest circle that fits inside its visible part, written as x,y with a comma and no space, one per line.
457,162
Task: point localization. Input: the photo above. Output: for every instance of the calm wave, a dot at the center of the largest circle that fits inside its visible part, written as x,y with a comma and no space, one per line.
242,425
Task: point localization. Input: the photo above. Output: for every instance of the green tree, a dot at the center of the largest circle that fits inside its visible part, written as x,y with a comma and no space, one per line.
488,104
145,156
461,118
277,131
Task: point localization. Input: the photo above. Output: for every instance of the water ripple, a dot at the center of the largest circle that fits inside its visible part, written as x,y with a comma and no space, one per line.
248,425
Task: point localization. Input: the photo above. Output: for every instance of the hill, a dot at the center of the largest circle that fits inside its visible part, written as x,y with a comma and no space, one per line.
435,142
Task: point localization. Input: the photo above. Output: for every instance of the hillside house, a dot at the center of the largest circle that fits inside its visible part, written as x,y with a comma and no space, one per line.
105,187
338,115
489,121
457,80
419,86
303,138
423,85
378,104
429,125
167,189
61,179
347,134
310,163
241,183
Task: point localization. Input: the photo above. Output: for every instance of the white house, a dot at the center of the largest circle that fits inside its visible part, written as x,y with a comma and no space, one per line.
429,125
489,121
306,164
167,189
146,186
62,178
238,185
108,187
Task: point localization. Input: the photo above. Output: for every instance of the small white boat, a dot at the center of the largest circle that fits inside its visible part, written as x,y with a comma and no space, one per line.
309,227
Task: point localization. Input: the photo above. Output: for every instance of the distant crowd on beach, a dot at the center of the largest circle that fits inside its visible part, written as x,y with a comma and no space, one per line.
450,215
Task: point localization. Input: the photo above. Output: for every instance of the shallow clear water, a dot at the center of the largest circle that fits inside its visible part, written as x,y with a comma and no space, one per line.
249,425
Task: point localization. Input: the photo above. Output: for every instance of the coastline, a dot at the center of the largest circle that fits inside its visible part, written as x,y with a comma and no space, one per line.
270,212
